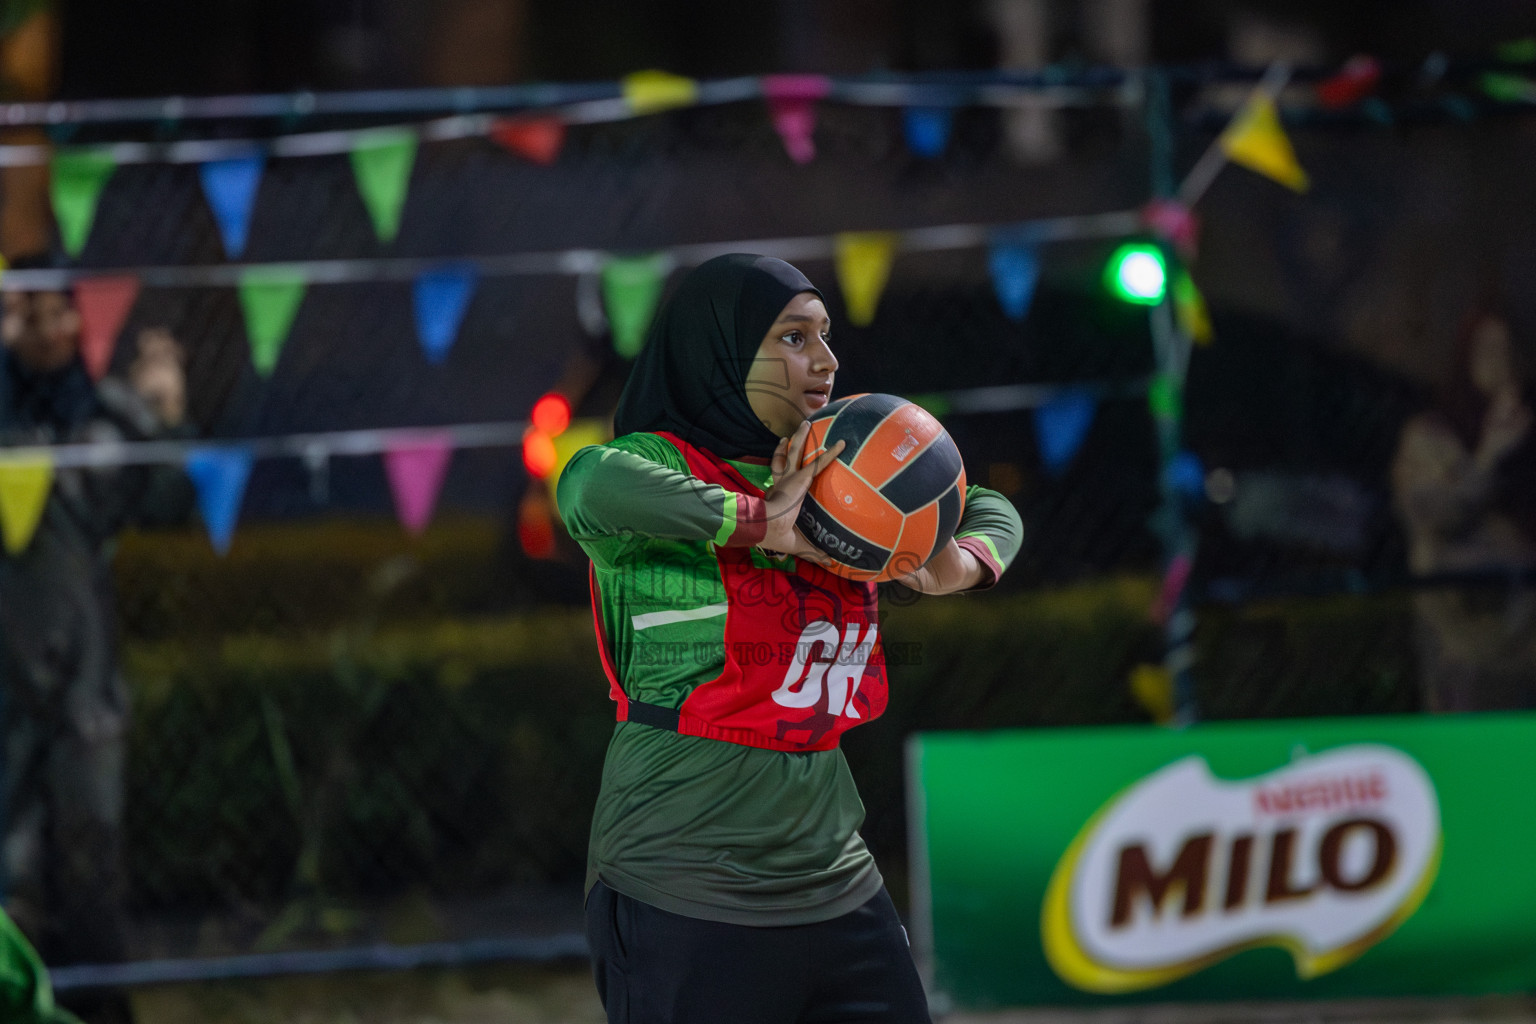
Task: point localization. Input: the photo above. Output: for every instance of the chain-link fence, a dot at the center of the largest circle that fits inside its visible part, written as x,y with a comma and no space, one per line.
342,733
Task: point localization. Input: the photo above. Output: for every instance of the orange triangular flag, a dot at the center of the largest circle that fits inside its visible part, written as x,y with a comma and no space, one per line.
25,481
103,303
534,138
1255,139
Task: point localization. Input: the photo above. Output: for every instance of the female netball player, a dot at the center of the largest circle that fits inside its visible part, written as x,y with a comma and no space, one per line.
727,882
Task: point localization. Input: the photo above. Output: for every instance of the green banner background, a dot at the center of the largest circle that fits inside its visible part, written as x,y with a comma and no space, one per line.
994,812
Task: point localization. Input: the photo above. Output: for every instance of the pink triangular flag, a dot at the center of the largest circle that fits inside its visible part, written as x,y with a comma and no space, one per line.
103,303
1175,223
416,469
792,107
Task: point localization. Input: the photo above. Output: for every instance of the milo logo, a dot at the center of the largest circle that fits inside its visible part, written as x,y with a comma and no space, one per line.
1324,857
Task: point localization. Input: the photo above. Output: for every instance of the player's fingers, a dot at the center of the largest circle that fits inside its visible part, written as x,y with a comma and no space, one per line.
780,458
828,457
797,442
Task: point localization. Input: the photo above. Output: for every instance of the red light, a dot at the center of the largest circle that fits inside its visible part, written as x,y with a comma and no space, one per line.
538,452
552,414
535,530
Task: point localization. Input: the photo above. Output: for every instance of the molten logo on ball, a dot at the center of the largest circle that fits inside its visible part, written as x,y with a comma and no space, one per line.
894,495
1324,858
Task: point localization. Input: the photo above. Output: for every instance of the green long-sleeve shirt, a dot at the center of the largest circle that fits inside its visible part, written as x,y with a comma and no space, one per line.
695,826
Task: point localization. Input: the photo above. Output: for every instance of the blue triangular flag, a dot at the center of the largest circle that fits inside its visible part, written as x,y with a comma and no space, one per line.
1185,474
1060,426
219,475
230,186
928,129
441,296
1015,267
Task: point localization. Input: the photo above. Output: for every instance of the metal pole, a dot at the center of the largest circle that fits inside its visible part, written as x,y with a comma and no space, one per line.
1172,346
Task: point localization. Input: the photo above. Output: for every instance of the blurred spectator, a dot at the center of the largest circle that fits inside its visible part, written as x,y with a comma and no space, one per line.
65,703
1463,481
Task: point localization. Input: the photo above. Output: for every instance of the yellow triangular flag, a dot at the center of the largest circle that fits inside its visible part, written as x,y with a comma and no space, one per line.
863,261
572,439
1256,140
1189,307
24,485
1152,688
650,91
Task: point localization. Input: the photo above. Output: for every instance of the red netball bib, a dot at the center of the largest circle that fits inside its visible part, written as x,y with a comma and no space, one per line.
803,661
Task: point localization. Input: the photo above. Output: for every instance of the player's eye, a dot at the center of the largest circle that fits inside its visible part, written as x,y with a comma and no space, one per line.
793,337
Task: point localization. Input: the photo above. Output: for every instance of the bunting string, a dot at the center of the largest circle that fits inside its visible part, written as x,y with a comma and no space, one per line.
316,445
479,112
570,261
591,102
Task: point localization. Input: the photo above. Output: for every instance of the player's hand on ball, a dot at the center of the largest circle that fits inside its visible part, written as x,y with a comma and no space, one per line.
951,569
791,480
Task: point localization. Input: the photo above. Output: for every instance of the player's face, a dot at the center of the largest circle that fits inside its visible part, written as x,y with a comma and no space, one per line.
793,372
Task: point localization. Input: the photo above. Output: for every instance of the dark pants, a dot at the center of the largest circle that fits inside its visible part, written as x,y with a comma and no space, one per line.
654,967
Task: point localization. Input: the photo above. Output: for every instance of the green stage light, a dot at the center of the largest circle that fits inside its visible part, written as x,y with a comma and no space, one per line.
1137,274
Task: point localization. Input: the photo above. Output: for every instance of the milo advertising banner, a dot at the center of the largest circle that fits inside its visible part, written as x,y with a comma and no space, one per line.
1306,859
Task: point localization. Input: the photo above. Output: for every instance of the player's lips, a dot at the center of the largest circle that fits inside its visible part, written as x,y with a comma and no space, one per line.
818,397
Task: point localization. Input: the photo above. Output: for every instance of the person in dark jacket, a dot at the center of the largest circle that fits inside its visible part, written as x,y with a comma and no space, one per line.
65,702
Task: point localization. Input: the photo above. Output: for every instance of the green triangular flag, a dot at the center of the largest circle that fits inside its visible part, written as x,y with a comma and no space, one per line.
631,287
76,178
270,298
382,165
1165,397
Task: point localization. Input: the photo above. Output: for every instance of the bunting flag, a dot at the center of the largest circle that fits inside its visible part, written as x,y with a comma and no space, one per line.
863,262
937,406
577,435
1061,425
440,298
1190,311
792,108
631,289
538,139
1175,579
416,471
927,129
219,476
103,303
1165,397
1356,80
269,298
76,178
382,166
1517,51
1175,223
1255,139
1015,267
230,188
648,92
1185,475
1509,88
25,481
1152,688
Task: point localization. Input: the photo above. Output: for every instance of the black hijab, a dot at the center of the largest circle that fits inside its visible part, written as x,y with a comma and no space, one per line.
690,379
